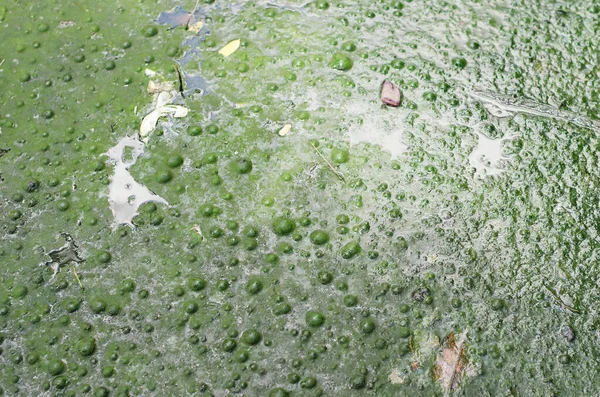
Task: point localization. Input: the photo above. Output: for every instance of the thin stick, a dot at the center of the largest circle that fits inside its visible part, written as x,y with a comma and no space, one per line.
327,162
562,304
180,79
187,25
78,280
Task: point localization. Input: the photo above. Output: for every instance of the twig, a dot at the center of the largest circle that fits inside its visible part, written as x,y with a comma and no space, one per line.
180,79
187,25
78,280
562,304
328,163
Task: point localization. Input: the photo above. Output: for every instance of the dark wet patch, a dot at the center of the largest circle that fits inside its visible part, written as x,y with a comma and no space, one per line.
65,254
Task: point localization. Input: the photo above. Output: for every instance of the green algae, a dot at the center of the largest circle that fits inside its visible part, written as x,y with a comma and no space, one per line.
266,274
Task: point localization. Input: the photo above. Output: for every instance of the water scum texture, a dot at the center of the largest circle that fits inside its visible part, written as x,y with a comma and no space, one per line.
290,234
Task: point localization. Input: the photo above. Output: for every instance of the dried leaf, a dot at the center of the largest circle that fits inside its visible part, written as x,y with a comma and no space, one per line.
390,94
159,86
452,363
284,131
395,377
196,27
151,119
230,48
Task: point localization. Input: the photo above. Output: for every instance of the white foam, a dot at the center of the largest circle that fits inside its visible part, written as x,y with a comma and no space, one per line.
383,128
125,194
487,156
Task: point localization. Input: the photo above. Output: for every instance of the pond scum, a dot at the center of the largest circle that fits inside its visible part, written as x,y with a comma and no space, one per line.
210,198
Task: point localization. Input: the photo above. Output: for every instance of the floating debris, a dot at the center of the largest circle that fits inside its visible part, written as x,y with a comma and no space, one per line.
390,94
452,365
65,24
63,255
567,332
197,229
149,122
150,72
560,302
395,377
180,79
328,163
230,48
196,27
159,86
125,194
284,131
78,280
504,106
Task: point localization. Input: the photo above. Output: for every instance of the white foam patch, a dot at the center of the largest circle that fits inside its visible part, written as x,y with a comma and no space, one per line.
125,194
383,128
487,156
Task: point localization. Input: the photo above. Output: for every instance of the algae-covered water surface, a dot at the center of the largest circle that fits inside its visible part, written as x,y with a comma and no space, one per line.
210,198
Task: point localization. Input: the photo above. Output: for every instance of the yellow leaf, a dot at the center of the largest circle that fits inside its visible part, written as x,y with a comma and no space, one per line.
196,27
286,128
230,48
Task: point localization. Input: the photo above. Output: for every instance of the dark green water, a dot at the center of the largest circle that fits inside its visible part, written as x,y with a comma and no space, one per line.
333,260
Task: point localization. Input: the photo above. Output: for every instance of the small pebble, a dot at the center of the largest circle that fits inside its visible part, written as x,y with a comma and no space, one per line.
567,332
390,94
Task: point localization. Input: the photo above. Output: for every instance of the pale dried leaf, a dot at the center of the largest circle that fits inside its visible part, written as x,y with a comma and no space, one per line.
151,119
159,86
452,364
284,131
150,72
196,27
395,377
230,48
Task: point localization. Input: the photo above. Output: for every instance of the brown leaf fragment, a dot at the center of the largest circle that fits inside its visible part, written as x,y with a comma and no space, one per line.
390,94
451,365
